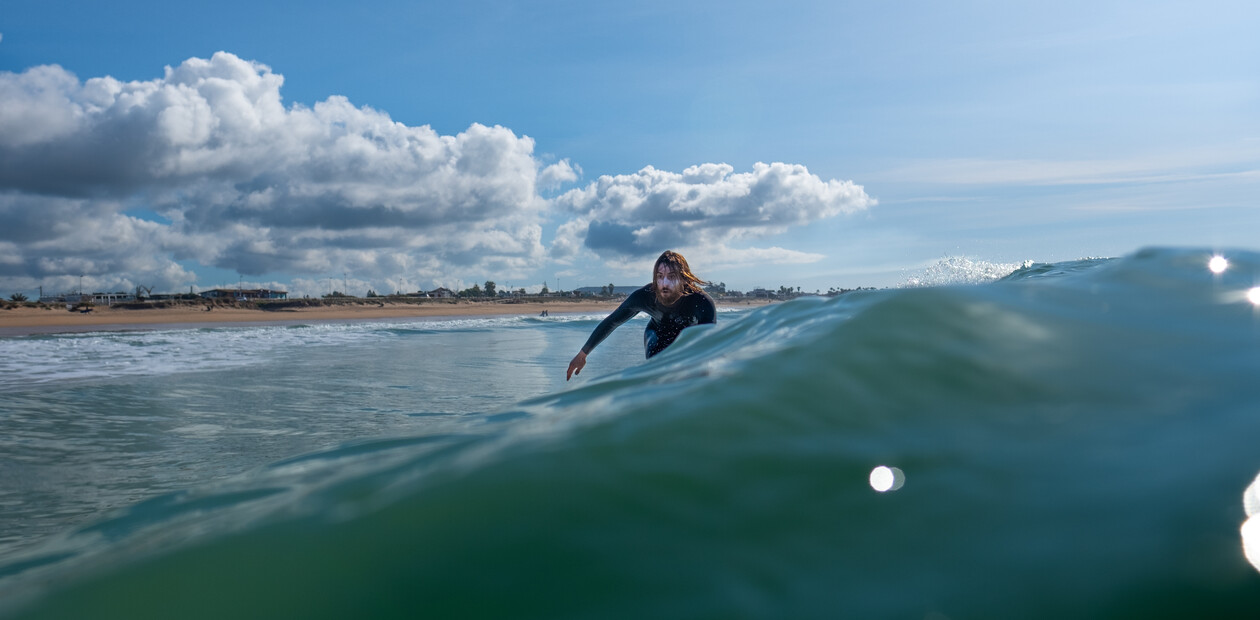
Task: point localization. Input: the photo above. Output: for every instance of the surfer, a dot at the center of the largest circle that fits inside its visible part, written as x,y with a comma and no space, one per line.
674,300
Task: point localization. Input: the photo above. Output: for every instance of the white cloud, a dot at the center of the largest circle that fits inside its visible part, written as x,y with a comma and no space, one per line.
249,184
36,107
558,174
230,177
727,258
705,206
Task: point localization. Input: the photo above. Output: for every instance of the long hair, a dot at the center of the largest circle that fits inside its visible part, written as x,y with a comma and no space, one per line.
678,264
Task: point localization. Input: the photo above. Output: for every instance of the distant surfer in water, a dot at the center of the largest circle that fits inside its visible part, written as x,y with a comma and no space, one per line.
674,300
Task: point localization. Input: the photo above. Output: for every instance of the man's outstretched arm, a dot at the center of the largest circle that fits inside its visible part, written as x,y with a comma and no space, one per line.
626,311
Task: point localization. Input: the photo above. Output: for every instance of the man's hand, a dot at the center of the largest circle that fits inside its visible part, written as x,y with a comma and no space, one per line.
575,366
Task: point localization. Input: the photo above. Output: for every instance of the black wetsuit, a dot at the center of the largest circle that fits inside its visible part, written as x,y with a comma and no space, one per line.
666,323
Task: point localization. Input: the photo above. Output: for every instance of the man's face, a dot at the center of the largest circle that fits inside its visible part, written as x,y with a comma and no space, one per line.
668,285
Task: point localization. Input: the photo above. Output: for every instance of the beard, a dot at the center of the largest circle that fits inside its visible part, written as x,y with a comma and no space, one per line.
668,298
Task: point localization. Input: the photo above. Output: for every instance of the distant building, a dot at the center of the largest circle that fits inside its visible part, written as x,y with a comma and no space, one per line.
59,298
93,298
235,293
440,292
111,298
603,290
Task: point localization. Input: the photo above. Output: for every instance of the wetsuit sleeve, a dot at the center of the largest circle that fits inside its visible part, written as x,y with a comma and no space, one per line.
626,311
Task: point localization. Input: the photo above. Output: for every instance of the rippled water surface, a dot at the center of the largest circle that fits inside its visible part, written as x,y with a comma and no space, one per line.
1068,440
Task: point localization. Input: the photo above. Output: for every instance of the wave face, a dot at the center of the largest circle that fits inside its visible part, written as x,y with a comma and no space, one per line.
1070,440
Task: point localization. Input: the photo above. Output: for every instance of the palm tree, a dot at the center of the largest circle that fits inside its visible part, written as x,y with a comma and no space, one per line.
17,297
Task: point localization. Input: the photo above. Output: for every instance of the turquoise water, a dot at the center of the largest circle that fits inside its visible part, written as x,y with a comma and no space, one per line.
1072,440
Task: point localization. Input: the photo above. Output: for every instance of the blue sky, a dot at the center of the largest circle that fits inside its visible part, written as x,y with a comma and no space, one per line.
406,145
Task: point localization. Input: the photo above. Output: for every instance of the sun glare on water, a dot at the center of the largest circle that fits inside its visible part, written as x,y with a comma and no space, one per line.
1218,264
885,478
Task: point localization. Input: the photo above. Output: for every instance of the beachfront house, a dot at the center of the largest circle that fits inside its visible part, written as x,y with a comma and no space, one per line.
111,298
243,294
104,299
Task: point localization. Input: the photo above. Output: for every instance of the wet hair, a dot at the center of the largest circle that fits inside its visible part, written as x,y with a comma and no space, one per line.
678,265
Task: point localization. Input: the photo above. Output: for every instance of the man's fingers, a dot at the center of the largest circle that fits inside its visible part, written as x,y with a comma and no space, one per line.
575,365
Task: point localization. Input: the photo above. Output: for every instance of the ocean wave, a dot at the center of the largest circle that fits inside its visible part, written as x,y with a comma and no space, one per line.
962,270
35,360
1069,439
92,356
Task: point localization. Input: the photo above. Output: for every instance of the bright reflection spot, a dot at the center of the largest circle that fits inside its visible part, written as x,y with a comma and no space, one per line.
1251,528
1253,296
887,478
1218,264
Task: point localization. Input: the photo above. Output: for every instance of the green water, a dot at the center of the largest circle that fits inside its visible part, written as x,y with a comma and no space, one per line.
1074,440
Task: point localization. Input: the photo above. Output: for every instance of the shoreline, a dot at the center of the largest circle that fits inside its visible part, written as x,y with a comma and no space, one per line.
29,320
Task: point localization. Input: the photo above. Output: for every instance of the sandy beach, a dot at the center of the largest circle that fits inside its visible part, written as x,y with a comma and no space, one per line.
29,319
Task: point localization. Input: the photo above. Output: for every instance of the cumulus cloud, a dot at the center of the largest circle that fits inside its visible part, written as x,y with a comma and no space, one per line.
558,174
124,182
250,185
706,206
